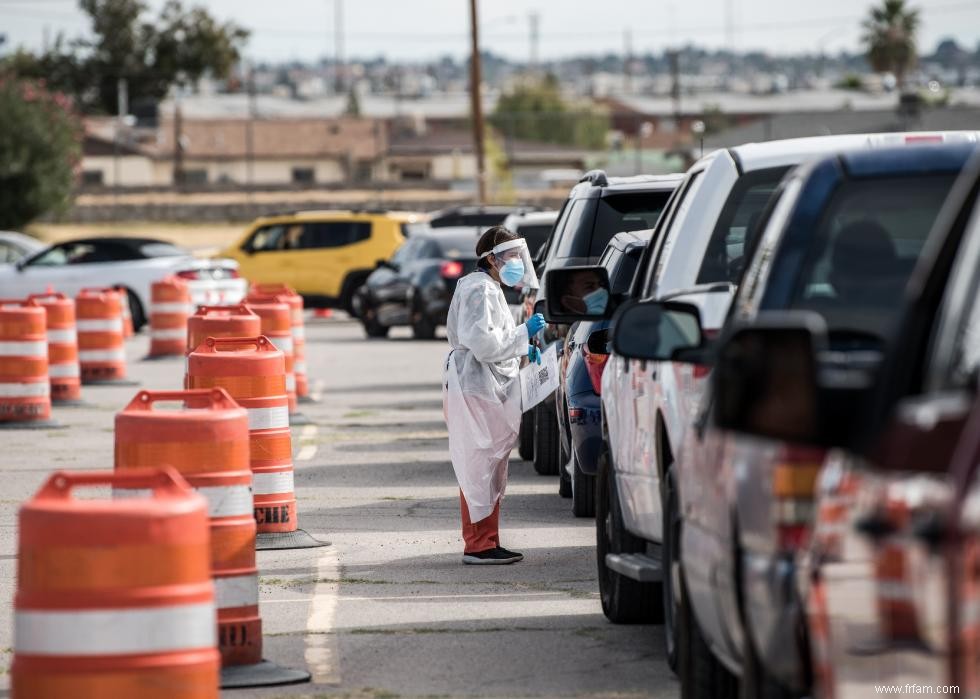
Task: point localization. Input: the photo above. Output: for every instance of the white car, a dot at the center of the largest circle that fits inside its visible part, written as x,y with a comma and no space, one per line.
131,263
14,246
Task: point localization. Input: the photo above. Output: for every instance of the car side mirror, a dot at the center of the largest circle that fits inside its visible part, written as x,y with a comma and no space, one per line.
656,330
577,293
598,342
766,379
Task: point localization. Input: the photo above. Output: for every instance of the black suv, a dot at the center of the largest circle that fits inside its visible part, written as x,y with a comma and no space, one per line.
597,208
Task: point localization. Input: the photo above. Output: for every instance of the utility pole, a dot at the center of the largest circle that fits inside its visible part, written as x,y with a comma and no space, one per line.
730,24
476,105
250,134
534,20
122,109
178,145
628,61
338,39
675,86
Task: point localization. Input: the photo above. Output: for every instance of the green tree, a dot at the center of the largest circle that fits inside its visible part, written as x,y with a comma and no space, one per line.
353,108
40,147
889,37
536,111
152,54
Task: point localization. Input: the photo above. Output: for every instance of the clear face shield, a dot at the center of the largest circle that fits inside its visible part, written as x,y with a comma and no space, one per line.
513,262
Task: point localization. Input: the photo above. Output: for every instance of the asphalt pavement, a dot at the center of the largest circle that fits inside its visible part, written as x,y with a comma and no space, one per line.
387,610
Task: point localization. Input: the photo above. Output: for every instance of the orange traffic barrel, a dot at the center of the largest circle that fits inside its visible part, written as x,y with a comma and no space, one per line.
252,370
25,391
127,312
170,305
274,313
221,321
296,325
206,438
63,368
114,597
101,353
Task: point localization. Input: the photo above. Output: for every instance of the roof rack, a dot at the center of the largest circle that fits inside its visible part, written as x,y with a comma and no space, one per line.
597,178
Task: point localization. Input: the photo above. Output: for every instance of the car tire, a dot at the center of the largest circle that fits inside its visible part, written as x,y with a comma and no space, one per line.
525,443
546,447
670,557
701,675
624,601
351,284
583,492
422,326
756,683
136,310
373,328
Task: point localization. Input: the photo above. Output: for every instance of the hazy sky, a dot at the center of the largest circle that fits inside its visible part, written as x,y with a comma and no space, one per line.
420,29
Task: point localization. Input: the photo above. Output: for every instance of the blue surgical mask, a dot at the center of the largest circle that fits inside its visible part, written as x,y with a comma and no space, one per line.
596,301
512,272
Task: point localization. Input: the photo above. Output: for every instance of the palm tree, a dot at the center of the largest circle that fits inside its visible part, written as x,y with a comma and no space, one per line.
889,35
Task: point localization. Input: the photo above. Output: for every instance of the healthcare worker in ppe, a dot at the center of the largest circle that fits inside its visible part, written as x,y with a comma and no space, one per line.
481,387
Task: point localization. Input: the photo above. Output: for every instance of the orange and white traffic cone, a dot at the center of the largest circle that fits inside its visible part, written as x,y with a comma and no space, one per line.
25,389
206,438
114,597
252,370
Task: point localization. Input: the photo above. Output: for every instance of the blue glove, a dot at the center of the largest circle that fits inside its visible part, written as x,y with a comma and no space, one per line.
533,354
534,324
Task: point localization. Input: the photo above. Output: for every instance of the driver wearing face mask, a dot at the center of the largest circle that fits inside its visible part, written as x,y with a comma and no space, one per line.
584,293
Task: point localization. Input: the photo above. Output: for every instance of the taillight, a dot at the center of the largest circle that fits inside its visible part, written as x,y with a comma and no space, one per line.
702,370
451,269
794,478
924,138
594,364
189,274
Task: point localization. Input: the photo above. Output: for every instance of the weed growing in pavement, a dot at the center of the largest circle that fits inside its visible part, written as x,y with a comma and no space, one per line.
351,414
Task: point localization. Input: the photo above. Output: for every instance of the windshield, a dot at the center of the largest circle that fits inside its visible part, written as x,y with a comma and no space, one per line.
737,226
863,252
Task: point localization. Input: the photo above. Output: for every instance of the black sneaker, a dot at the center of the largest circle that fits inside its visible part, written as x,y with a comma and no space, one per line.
492,557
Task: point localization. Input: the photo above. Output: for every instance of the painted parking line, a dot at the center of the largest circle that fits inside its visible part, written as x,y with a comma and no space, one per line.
322,649
307,440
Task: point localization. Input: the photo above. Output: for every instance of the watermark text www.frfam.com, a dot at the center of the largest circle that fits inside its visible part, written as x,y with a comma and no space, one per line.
913,689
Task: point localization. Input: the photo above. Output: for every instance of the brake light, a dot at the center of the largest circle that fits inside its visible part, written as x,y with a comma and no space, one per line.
189,274
794,478
451,269
924,138
701,370
594,364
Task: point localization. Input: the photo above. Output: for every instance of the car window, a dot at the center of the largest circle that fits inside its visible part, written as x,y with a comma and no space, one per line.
626,269
333,234
955,364
668,232
266,238
864,249
616,213
454,248
83,253
534,234
8,253
406,252
736,226
410,229
160,250
581,213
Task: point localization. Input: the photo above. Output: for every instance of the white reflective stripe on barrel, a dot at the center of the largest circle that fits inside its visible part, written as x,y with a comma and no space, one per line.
171,308
236,591
36,389
115,631
291,382
168,334
227,500
299,333
272,483
268,418
62,336
100,325
283,343
112,355
299,367
64,370
25,348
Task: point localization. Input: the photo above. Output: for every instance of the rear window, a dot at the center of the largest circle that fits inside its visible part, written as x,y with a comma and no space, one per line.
622,275
737,226
160,250
535,235
864,249
585,237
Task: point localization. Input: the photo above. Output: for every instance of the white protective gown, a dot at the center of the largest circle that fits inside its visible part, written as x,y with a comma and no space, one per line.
481,389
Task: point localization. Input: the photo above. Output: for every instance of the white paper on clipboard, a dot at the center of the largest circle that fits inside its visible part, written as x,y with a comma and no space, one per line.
538,381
